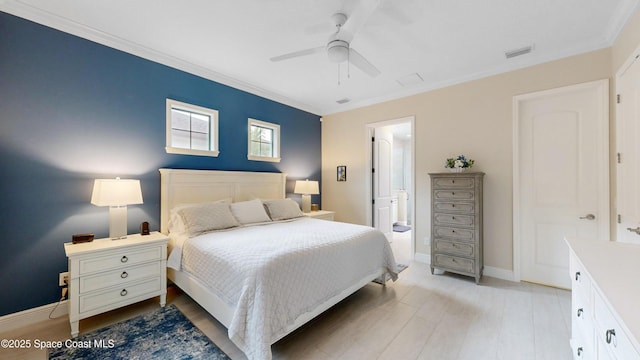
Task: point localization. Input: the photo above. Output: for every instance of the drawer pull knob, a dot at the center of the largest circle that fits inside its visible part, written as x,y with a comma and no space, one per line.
124,259
453,205
610,335
577,275
580,311
579,351
124,275
123,292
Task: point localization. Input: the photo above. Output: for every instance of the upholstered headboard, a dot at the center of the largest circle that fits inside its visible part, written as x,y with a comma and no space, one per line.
196,186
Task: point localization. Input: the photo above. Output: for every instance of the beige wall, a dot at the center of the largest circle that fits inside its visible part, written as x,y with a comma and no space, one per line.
473,118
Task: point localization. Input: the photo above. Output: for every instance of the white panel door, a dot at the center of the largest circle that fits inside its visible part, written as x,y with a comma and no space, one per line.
382,156
628,143
562,173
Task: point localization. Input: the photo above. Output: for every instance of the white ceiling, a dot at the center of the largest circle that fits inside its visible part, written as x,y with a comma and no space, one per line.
232,41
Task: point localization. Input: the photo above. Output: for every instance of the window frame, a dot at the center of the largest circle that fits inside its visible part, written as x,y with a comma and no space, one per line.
213,129
275,140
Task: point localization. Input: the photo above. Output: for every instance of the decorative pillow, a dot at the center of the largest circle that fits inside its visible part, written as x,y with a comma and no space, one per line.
176,225
249,212
282,209
201,218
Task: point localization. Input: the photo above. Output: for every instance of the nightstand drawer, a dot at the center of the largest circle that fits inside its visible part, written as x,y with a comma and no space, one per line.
120,276
116,296
454,248
119,258
454,263
452,219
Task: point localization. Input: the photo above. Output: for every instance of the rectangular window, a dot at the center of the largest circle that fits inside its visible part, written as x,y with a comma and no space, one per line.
191,129
264,141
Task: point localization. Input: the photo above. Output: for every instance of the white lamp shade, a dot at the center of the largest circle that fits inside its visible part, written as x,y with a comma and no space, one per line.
116,192
306,187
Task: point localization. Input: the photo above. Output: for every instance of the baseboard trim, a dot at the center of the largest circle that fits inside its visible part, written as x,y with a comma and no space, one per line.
31,316
491,271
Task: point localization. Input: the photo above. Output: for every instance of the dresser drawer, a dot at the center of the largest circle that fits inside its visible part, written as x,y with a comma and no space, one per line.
453,195
117,259
610,332
579,278
452,183
453,219
454,248
453,233
454,263
454,207
116,296
119,276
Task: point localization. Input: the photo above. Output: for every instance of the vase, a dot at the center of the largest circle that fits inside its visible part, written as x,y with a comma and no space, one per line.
457,170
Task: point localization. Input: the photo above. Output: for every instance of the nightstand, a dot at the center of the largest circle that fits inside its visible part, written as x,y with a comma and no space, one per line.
321,214
107,274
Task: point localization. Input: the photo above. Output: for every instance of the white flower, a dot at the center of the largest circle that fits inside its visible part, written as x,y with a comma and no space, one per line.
458,164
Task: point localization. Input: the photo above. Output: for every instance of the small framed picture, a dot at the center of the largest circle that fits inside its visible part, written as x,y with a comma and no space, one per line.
342,173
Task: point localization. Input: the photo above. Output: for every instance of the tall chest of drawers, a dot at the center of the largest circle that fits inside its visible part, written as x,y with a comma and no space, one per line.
456,223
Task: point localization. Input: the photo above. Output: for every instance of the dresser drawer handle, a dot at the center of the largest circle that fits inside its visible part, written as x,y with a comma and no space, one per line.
453,205
453,194
123,292
124,259
580,311
610,335
124,275
577,275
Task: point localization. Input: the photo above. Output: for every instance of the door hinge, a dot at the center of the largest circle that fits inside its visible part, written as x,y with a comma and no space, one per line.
373,170
373,201
618,98
619,158
373,139
619,219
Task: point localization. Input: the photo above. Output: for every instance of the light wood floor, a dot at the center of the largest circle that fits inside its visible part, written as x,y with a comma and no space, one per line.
421,316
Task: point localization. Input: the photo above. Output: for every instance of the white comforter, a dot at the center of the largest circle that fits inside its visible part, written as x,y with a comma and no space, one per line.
271,274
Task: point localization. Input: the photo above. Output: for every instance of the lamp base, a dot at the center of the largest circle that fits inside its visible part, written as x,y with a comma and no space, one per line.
118,222
306,203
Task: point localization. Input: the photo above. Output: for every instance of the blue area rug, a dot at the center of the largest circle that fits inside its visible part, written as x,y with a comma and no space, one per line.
163,334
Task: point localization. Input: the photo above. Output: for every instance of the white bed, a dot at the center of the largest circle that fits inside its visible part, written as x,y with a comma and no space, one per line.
245,299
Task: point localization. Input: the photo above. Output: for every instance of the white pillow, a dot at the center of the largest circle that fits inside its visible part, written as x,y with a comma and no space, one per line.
249,212
282,209
201,218
176,225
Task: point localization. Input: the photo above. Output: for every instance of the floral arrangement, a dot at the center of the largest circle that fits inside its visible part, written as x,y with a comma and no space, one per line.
461,162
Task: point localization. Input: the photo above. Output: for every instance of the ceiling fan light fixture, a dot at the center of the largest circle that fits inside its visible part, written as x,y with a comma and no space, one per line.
338,51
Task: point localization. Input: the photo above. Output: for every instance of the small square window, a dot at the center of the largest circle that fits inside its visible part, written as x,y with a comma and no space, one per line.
264,141
191,129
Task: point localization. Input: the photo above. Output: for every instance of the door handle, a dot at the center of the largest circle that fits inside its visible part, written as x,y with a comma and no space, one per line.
636,230
588,217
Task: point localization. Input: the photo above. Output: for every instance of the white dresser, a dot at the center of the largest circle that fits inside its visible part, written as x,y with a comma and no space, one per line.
107,274
605,303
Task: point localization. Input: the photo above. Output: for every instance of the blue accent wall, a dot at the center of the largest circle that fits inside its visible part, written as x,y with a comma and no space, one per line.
71,111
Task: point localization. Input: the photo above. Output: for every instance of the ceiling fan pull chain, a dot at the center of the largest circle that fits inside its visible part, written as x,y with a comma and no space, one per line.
338,74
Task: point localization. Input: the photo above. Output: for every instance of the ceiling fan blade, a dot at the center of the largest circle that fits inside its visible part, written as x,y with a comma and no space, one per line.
298,53
363,64
358,17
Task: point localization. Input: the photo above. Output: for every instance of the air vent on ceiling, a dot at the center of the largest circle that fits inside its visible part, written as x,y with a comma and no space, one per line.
343,101
517,52
411,79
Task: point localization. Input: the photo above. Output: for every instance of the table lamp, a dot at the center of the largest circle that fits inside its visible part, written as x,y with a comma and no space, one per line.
306,188
116,194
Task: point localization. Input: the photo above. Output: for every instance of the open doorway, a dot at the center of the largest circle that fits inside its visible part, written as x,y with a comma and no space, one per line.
391,199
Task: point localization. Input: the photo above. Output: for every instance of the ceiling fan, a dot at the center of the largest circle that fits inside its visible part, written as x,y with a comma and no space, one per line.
337,48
